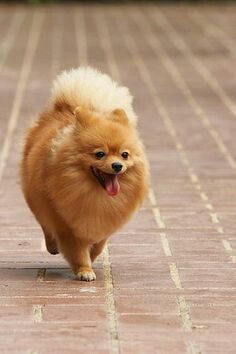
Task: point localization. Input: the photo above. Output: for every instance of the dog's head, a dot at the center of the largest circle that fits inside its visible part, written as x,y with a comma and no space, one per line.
108,148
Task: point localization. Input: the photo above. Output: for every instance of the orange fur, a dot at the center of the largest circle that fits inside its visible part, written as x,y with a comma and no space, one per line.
75,212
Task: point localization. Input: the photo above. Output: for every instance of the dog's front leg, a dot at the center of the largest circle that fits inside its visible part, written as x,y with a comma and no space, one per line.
83,267
77,253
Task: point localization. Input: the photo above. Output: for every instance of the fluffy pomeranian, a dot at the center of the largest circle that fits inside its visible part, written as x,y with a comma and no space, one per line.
84,171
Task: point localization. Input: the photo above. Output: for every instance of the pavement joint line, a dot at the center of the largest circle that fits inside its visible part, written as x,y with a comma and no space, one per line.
106,45
81,36
171,128
41,274
63,296
193,177
214,217
227,245
181,44
185,161
212,304
203,195
165,245
23,227
184,312
215,32
151,313
64,305
20,250
162,297
158,219
134,244
16,239
174,272
24,75
10,37
110,302
209,206
178,78
56,48
192,345
59,296
220,230
152,197
38,313
108,277
233,258
137,233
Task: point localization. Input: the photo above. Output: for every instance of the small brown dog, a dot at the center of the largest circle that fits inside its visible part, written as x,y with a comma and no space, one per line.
84,171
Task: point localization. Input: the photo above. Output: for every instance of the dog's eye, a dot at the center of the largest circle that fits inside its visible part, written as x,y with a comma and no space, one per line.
100,154
125,154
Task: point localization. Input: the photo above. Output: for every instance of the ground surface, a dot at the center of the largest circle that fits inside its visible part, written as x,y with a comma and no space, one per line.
168,282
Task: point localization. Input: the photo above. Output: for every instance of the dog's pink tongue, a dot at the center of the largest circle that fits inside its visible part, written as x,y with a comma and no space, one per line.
112,185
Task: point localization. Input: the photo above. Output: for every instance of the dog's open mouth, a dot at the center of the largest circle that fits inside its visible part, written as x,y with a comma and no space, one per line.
108,181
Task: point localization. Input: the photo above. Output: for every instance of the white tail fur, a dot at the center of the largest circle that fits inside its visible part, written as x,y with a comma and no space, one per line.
92,89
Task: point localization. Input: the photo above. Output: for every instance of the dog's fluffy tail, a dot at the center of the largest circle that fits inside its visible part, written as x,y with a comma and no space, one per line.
89,88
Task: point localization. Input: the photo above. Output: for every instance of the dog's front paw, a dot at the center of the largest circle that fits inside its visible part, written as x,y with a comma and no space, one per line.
86,275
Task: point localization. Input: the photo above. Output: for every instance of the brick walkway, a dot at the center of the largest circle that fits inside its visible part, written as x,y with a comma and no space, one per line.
178,292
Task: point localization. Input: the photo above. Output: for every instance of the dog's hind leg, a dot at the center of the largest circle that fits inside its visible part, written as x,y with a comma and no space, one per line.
97,249
51,243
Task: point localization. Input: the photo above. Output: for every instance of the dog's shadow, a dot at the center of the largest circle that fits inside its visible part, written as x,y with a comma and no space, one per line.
53,272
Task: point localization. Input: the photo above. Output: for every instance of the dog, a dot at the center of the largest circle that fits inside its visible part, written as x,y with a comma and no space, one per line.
84,171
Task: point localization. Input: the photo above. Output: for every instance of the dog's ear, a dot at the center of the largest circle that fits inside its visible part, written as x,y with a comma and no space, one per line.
119,115
83,116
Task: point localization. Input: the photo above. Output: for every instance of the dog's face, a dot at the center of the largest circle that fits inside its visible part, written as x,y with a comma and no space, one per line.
108,148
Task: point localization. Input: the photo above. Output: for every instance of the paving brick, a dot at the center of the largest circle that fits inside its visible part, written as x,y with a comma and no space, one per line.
143,325
135,238
44,341
146,304
155,347
136,250
17,314
74,313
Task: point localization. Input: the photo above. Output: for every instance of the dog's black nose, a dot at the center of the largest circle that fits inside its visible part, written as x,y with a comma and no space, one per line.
117,167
